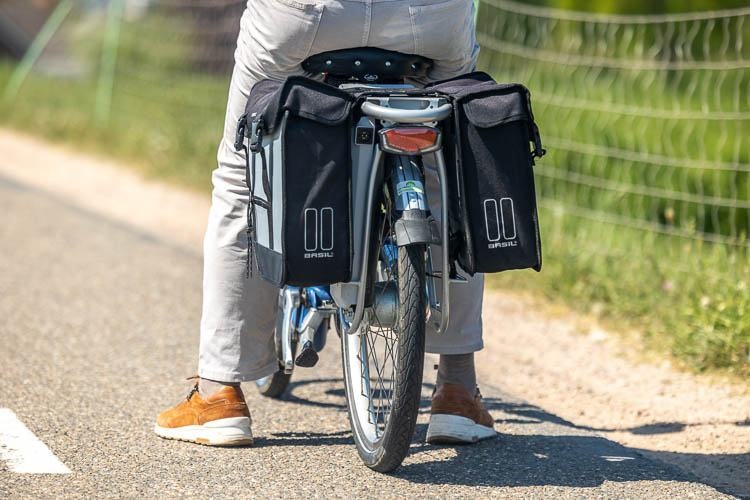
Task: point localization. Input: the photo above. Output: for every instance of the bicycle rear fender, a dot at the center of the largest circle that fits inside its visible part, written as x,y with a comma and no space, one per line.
415,226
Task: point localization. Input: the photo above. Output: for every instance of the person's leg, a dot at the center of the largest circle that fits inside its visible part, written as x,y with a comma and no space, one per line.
457,414
457,369
236,334
444,32
239,311
464,336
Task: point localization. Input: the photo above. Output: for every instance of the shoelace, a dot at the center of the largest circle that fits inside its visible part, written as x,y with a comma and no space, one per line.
195,387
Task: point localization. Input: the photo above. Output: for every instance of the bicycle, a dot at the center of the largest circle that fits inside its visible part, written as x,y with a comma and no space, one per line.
381,315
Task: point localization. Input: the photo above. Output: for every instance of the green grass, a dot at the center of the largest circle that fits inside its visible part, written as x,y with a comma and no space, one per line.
690,299
631,193
163,139
641,6
165,119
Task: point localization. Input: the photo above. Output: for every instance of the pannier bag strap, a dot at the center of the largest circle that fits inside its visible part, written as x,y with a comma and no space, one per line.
255,133
239,136
239,145
255,147
250,216
539,150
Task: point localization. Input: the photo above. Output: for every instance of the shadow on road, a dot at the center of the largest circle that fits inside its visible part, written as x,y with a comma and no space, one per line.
537,460
535,448
530,414
305,439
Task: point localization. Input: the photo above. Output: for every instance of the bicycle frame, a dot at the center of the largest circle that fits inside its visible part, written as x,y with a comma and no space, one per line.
392,111
304,312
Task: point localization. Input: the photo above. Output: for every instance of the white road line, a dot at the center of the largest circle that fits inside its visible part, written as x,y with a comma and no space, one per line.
22,451
609,458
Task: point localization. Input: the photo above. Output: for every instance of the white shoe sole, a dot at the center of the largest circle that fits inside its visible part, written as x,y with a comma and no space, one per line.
223,432
452,429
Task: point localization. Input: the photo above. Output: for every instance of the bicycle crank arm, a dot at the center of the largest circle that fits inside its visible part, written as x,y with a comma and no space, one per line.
308,356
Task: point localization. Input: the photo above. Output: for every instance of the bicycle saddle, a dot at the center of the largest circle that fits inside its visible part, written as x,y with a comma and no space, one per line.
368,64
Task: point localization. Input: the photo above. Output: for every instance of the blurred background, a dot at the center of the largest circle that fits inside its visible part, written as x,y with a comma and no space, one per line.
644,106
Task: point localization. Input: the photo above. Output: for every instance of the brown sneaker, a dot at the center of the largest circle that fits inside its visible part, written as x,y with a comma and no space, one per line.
221,419
458,416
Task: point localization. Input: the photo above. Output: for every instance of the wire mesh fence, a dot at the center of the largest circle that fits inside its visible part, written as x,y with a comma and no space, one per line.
645,193
647,117
646,190
143,79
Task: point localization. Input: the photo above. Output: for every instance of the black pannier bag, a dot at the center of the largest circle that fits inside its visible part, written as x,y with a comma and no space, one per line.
494,222
298,173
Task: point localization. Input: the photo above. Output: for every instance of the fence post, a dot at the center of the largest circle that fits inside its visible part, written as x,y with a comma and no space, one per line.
36,48
108,63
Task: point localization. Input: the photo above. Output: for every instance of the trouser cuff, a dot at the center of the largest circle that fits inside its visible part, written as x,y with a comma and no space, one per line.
237,376
465,349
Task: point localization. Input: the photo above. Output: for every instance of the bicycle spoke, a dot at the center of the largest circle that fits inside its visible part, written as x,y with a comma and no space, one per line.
381,339
378,369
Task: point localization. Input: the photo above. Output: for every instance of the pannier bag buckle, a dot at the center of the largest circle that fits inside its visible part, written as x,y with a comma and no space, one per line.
256,136
239,136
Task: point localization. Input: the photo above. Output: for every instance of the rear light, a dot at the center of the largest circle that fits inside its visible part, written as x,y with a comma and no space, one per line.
410,140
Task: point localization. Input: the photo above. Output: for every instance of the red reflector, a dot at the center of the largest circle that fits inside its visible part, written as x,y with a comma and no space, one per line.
410,139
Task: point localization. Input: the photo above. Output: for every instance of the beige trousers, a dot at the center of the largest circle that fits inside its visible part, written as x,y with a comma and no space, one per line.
236,341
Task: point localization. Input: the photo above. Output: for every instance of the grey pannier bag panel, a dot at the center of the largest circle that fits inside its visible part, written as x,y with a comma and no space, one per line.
298,174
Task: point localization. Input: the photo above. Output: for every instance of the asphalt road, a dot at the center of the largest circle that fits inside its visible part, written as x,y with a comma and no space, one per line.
98,328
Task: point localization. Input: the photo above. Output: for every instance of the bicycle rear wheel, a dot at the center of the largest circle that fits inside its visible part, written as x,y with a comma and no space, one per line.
383,360
275,385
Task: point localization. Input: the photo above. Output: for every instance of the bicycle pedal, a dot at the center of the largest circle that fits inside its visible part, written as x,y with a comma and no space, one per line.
308,356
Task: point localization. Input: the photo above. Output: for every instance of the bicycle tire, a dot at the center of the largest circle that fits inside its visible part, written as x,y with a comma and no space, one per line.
274,386
386,453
